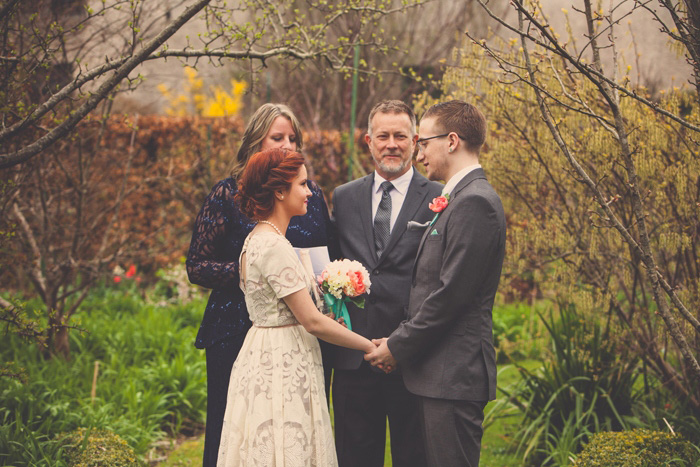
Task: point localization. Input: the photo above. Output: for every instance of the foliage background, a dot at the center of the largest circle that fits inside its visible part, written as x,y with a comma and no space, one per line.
174,162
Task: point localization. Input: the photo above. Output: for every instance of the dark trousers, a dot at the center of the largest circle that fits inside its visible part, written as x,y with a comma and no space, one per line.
362,401
452,431
220,358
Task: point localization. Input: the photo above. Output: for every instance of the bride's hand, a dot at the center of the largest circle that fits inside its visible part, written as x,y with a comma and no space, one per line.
381,357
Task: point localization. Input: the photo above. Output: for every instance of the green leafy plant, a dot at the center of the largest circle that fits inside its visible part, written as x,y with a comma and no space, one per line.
150,379
20,445
587,386
517,331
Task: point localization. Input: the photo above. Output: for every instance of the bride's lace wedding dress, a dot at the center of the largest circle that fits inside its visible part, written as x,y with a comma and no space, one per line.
276,412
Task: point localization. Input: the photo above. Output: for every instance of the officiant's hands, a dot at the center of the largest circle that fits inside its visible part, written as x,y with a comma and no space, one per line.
381,357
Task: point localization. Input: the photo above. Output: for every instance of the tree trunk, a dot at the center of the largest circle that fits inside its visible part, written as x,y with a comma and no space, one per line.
58,342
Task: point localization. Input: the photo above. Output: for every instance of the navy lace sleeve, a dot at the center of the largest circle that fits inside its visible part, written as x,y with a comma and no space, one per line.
212,261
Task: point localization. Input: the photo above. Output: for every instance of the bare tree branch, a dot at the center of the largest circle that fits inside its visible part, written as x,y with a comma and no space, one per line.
35,271
10,159
553,45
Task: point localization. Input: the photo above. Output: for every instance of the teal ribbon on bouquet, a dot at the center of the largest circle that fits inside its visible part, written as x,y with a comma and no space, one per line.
337,305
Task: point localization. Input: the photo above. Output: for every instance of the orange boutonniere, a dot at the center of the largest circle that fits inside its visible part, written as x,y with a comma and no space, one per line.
438,205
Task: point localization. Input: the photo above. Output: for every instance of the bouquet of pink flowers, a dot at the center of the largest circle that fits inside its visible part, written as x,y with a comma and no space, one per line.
342,281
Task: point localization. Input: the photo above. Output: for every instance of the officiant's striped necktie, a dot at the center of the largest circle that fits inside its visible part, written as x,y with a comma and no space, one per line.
382,219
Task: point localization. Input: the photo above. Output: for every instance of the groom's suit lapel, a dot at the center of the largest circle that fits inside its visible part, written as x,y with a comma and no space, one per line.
470,177
417,191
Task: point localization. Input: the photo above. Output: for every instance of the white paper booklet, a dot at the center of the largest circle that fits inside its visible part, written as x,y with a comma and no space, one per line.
314,261
319,258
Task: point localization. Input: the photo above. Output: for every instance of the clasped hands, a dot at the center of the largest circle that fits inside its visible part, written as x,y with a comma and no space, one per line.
381,356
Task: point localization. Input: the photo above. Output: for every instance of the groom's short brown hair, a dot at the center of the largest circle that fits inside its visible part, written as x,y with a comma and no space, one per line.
462,118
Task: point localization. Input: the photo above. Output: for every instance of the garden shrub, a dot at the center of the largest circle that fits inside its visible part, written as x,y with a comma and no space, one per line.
102,448
637,448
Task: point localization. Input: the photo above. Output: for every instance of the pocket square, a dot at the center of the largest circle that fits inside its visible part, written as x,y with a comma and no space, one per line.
413,225
434,232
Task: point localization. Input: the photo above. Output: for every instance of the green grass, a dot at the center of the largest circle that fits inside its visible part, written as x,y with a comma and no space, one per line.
186,454
497,448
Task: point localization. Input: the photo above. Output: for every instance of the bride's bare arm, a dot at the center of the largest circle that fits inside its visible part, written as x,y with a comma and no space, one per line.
322,326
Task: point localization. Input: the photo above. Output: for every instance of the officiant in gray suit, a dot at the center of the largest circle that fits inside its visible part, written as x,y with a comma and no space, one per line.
372,216
445,348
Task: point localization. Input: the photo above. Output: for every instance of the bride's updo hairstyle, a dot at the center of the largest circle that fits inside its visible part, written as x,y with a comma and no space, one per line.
266,173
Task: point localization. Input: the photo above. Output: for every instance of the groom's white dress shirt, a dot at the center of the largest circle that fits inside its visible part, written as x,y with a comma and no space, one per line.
456,178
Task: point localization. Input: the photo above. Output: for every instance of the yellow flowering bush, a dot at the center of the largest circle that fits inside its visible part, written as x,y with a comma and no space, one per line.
637,448
196,100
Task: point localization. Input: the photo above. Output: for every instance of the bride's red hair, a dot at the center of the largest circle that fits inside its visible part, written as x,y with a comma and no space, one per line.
265,173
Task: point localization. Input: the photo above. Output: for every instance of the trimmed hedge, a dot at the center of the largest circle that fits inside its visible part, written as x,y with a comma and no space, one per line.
102,449
638,448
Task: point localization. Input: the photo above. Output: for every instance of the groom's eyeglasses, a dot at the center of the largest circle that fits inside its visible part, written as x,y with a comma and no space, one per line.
423,142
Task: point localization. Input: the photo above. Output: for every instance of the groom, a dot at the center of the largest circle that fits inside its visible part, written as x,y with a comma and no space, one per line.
445,349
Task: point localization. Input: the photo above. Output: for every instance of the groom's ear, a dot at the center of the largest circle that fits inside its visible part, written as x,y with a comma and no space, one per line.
453,141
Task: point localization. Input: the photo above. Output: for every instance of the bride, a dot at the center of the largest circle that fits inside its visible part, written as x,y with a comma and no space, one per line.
276,412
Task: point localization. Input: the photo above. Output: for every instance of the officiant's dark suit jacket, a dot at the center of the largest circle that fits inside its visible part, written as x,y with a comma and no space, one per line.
364,397
386,305
445,349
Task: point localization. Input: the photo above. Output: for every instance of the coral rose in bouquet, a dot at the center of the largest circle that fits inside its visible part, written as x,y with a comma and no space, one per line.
342,281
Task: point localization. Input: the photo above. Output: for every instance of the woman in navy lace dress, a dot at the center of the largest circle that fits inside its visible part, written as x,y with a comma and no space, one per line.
212,261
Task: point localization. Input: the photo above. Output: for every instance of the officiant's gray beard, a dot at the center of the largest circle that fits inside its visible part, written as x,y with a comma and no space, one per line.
392,169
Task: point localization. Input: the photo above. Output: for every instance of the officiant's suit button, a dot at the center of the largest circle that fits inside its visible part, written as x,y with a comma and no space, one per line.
375,272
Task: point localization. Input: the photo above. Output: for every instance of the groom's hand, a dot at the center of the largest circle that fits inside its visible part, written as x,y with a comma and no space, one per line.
381,357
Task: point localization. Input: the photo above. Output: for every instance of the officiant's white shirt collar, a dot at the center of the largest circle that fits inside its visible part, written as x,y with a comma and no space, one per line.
400,184
456,178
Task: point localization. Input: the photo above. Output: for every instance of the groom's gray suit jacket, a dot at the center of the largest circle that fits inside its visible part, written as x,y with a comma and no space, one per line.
386,305
445,349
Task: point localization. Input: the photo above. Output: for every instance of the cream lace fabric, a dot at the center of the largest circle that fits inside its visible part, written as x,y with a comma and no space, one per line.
276,413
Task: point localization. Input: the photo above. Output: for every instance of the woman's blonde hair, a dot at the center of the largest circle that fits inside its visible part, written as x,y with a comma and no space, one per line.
257,129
